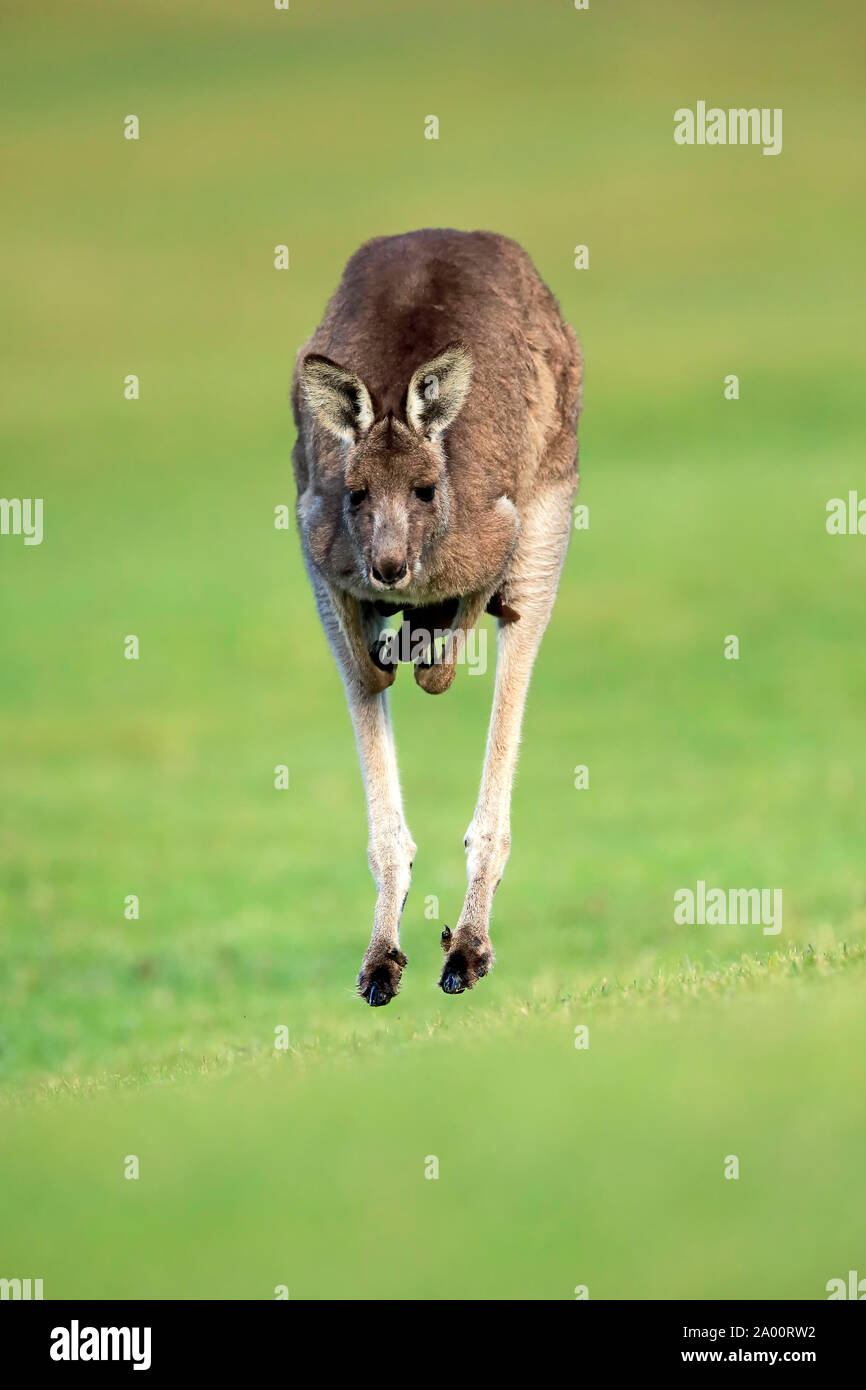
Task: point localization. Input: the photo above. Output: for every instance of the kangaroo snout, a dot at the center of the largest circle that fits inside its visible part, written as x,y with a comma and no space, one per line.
389,573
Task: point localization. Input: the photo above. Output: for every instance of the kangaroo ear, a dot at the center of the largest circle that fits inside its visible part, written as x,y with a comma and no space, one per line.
339,398
438,389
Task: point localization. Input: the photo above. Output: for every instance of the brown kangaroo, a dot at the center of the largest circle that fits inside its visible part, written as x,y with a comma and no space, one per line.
436,408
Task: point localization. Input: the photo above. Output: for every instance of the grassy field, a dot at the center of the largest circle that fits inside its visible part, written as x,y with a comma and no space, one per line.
154,1037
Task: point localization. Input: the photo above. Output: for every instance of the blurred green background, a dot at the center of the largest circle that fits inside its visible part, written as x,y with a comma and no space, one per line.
155,1037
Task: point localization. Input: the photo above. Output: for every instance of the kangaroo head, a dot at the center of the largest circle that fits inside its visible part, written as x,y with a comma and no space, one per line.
397,496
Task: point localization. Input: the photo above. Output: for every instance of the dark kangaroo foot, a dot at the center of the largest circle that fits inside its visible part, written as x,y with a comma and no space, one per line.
468,957
379,979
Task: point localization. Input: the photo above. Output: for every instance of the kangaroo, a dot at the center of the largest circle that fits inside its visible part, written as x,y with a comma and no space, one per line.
436,408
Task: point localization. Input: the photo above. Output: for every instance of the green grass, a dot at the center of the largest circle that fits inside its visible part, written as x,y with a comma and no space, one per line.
558,1167
155,777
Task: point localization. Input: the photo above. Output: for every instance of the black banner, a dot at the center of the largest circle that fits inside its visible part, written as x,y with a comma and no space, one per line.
225,1338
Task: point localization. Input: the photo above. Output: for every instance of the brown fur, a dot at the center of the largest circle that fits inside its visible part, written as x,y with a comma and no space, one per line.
400,300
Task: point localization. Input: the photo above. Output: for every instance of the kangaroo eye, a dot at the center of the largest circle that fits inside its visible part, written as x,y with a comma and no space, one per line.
425,494
357,496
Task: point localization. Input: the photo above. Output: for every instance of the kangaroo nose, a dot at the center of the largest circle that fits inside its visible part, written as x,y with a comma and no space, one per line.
389,571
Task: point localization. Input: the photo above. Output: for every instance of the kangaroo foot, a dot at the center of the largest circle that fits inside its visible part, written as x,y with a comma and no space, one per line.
468,957
379,979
